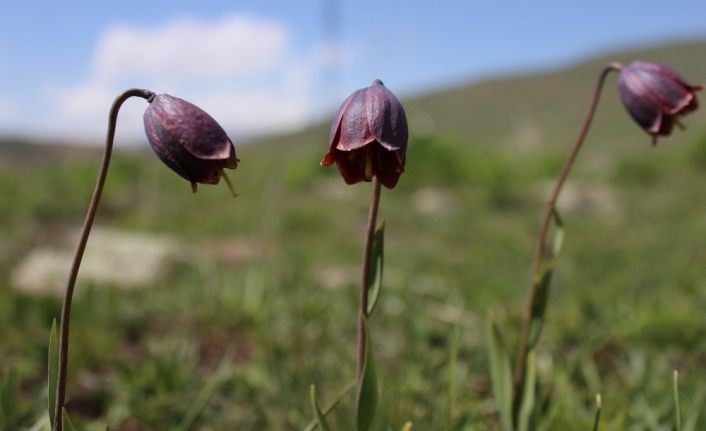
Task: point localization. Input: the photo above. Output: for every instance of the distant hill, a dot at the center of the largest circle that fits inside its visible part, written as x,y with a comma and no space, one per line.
518,113
538,111
20,152
545,110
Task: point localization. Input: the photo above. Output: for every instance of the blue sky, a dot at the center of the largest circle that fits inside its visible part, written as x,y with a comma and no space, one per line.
270,66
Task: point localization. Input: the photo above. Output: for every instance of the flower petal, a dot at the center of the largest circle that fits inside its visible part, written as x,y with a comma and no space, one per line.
639,101
389,168
673,95
351,165
197,131
386,117
354,131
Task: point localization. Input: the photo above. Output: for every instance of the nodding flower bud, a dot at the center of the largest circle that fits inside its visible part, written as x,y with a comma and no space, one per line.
369,137
655,96
189,141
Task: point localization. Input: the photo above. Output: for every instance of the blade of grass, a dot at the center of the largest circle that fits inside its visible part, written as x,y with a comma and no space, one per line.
376,266
53,373
599,407
9,391
545,280
677,408
201,400
451,391
66,421
367,397
500,374
311,426
696,405
528,396
318,414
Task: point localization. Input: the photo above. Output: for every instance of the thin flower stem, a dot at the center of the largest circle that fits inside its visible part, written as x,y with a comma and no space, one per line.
88,222
520,369
363,299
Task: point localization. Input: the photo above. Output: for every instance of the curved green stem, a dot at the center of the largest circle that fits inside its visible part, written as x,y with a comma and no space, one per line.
540,245
88,222
365,275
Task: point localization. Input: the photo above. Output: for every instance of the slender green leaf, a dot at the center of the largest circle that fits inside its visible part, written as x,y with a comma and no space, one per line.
599,407
528,395
500,373
66,421
407,426
544,281
328,409
382,419
202,398
320,418
696,406
42,424
367,400
53,374
677,408
9,391
377,262
451,391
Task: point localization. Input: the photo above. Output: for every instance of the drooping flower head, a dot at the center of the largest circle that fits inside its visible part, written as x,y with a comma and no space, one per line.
656,96
369,137
188,140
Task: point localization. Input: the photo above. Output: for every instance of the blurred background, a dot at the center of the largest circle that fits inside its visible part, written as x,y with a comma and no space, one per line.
199,311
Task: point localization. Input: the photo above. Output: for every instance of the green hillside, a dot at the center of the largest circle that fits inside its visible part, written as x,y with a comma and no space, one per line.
538,112
264,302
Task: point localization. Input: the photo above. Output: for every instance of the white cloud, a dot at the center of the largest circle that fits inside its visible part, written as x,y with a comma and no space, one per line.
233,47
328,54
7,110
242,69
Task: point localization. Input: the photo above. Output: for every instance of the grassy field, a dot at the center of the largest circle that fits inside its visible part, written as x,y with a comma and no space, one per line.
231,342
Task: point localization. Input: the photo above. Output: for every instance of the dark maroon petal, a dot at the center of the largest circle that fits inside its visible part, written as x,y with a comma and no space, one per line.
329,158
336,125
170,149
351,165
335,133
370,126
387,119
660,70
231,162
161,149
654,95
389,167
673,95
193,128
666,125
354,132
639,101
378,109
693,105
188,140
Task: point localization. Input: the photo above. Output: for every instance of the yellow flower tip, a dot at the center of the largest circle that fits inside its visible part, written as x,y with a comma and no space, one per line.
231,187
368,166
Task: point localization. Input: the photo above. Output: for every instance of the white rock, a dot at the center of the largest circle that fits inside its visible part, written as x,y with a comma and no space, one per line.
115,258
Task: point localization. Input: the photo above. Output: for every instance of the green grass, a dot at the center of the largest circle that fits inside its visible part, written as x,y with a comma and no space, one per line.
236,345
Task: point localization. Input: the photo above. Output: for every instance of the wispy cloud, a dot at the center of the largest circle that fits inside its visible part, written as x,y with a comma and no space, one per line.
243,69
231,48
7,110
